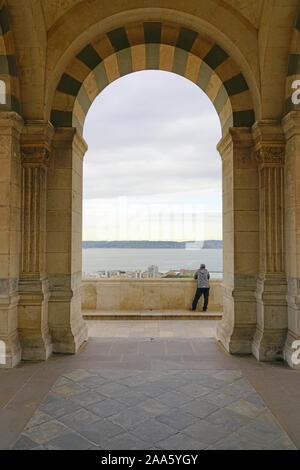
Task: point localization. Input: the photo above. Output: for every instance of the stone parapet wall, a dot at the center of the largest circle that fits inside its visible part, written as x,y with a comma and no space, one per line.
146,294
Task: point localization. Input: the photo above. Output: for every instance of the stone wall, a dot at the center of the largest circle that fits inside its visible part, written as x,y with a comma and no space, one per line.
146,294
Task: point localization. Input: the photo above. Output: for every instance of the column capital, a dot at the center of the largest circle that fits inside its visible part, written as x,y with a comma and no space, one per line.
269,143
36,143
291,124
270,156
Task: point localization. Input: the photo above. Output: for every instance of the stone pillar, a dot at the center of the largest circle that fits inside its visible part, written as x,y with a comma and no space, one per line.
33,285
64,240
10,247
291,126
271,326
240,241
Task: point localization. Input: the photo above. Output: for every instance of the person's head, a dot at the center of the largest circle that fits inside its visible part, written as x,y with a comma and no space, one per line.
202,266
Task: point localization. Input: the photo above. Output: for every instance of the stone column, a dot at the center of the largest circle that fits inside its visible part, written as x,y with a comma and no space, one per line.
271,326
33,285
240,241
291,126
10,247
64,240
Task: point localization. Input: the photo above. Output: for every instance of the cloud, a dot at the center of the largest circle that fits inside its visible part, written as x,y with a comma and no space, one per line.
152,135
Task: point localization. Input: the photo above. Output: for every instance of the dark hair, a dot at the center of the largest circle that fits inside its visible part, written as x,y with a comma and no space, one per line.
202,266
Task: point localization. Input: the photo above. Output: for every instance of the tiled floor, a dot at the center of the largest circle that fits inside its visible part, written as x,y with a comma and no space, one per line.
150,385
170,410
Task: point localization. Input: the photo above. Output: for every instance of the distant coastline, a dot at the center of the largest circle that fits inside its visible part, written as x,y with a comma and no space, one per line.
206,244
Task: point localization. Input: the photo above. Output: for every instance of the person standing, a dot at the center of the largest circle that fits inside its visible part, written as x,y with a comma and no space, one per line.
202,276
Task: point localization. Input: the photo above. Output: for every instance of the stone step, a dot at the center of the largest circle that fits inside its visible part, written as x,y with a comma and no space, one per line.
150,315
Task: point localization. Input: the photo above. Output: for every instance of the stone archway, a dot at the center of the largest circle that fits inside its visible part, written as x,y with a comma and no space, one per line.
164,46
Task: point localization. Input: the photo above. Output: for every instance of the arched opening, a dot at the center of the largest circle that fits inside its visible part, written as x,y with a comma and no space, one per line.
152,195
137,47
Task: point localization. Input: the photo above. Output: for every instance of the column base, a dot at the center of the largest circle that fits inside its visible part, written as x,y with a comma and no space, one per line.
271,328
36,346
236,329
34,334
69,340
236,341
268,345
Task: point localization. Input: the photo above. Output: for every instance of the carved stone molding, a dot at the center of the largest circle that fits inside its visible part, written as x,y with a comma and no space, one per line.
270,156
35,157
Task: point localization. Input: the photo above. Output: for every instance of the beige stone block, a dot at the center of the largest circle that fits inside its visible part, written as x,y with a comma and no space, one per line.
59,199
58,221
5,171
245,199
58,242
58,263
246,179
59,179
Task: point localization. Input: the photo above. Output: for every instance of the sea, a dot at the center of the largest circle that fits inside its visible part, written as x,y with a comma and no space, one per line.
132,259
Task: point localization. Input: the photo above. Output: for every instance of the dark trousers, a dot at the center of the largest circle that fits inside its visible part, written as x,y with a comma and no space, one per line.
199,292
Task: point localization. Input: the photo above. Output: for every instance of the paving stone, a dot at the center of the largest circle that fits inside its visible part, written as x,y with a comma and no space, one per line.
93,382
228,419
39,417
174,398
245,408
68,390
50,398
46,431
200,408
152,431
180,441
130,417
177,419
283,443
220,399
112,389
131,398
62,381
24,443
150,389
228,375
101,431
87,398
70,441
254,398
77,374
194,390
125,441
205,432
154,407
79,418
238,388
106,408
60,407
133,380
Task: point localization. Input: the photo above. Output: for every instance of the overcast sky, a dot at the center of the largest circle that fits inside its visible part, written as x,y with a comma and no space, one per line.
152,170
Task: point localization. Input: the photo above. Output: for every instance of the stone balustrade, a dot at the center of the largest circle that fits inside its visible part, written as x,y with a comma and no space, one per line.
146,294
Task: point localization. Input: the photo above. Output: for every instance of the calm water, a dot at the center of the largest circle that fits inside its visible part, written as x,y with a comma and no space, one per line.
98,259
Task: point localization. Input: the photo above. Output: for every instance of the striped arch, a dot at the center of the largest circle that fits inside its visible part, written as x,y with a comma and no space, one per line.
293,73
152,45
8,63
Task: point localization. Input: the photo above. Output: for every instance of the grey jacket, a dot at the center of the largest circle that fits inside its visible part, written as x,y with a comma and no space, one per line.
203,278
